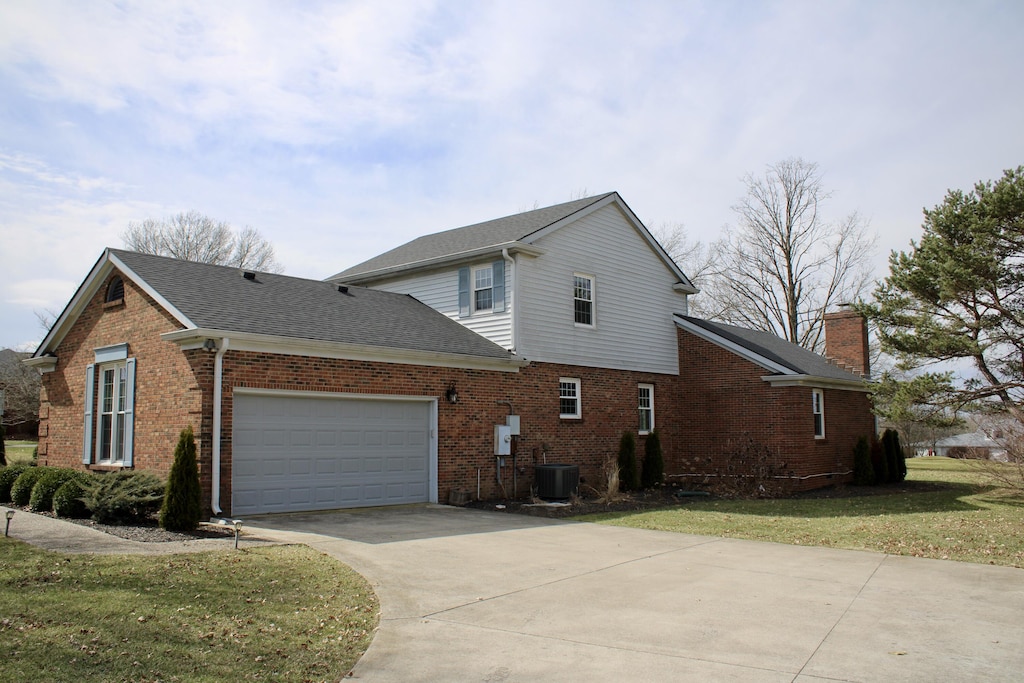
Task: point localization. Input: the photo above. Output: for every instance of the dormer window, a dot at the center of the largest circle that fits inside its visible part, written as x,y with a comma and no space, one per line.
115,290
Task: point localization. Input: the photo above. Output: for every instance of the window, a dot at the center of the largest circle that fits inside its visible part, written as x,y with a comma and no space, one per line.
583,299
818,408
483,280
482,289
569,398
646,408
109,408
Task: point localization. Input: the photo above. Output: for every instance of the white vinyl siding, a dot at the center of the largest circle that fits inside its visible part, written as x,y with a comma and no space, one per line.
440,291
636,300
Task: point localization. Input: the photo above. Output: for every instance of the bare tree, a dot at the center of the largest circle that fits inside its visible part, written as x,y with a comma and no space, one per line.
785,265
191,236
20,386
694,258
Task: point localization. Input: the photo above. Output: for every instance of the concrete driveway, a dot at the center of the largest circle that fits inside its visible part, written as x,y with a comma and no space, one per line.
478,596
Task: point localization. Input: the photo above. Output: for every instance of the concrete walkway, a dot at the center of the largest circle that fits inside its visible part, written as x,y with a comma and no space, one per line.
476,596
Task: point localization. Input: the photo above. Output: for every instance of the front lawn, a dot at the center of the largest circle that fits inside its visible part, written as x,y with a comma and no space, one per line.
19,452
958,517
283,613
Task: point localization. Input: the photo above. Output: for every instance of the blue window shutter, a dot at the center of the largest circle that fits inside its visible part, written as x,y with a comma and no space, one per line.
90,385
464,292
498,286
129,411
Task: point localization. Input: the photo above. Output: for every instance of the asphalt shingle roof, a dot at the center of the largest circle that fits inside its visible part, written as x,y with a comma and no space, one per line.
218,297
471,237
776,349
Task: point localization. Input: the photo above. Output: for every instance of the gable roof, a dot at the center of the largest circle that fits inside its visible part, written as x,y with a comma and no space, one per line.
782,357
212,298
517,231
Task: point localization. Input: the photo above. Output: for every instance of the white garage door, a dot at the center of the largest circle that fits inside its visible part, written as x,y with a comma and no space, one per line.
293,453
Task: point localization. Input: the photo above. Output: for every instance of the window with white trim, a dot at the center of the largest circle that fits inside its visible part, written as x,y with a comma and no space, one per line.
646,408
483,294
583,299
569,407
818,410
109,408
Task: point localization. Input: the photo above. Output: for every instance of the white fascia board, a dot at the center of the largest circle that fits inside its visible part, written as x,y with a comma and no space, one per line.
817,382
448,259
288,346
740,351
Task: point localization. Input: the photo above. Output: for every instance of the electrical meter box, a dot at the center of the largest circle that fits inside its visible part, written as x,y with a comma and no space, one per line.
502,440
513,423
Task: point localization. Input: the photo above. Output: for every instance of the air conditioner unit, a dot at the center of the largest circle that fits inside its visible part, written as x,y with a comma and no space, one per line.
557,481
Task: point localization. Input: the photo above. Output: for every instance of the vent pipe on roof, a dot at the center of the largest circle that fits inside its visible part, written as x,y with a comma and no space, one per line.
343,289
248,275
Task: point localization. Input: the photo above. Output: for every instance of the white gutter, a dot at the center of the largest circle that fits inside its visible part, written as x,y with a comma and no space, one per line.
512,303
218,392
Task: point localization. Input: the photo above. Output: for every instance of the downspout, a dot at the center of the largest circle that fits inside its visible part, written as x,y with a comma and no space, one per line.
218,392
512,294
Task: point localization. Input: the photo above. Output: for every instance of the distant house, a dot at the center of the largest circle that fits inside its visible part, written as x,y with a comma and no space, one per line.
971,445
384,384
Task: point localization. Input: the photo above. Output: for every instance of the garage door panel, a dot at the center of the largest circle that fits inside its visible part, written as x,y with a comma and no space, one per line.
302,453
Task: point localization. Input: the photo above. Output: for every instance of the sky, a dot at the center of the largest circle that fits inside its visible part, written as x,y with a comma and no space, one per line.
342,129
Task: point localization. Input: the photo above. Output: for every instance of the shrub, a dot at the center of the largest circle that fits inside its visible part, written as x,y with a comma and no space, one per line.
67,500
122,496
863,472
183,508
654,463
629,475
21,490
8,475
879,462
51,480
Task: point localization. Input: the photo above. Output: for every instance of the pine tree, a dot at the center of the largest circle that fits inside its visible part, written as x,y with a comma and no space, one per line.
182,508
863,471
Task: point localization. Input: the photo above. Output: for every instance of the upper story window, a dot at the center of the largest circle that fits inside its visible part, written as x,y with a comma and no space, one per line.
818,410
115,290
583,299
483,295
569,398
482,289
646,395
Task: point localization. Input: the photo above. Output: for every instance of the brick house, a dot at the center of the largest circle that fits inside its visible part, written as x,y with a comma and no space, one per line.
384,384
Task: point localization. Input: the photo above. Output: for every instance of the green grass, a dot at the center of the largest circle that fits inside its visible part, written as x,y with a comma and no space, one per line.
964,519
19,452
283,613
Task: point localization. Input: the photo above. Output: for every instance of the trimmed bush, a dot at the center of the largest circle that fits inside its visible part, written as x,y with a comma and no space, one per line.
894,458
67,500
880,463
863,472
182,508
654,463
122,496
21,490
629,474
51,480
8,475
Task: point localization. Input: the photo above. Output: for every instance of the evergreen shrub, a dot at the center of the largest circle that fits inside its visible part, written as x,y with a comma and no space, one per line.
653,471
8,475
629,474
67,500
863,471
21,490
123,496
182,508
51,480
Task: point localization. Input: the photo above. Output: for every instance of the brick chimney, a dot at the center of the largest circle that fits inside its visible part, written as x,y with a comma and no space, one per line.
846,340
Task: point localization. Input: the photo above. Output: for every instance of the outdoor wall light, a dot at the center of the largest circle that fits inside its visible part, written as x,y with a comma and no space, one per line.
452,395
10,515
210,345
238,530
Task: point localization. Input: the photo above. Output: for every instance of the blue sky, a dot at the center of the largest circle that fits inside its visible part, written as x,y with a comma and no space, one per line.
342,129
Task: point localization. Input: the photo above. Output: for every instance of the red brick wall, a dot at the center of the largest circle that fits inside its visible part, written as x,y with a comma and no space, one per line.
731,414
166,391
466,429
846,341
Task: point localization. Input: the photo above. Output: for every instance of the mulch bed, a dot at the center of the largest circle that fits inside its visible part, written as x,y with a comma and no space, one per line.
146,529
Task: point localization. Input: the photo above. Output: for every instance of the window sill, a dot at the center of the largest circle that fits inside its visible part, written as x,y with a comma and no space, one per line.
108,305
110,467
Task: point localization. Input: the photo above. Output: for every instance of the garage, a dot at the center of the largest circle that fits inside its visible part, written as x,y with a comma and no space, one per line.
294,452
